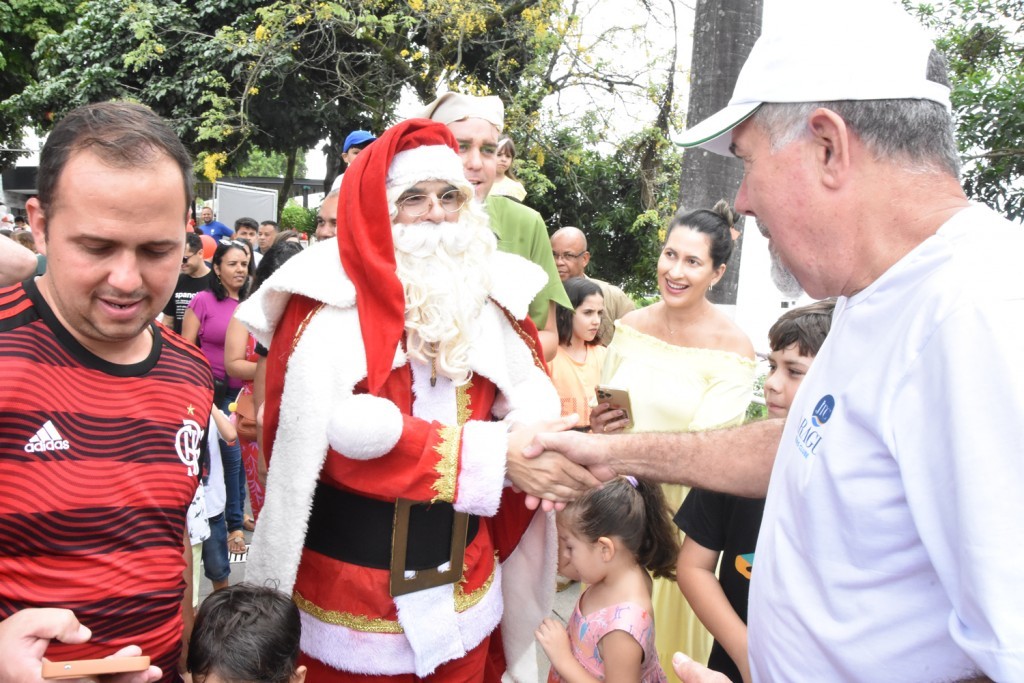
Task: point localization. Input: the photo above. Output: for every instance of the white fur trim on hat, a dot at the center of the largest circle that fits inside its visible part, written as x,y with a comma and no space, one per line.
429,162
454,106
364,427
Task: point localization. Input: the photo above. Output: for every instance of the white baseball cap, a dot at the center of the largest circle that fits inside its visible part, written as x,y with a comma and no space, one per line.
824,51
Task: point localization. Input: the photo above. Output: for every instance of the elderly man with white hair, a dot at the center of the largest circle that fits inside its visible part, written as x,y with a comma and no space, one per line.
890,545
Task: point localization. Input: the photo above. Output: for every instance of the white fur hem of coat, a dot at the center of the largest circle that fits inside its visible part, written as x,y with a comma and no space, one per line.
389,654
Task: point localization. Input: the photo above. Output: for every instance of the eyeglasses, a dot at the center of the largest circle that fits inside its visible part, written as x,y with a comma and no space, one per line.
185,259
567,255
420,204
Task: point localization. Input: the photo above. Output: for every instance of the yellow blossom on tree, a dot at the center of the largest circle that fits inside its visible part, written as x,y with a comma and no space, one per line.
261,32
254,90
212,164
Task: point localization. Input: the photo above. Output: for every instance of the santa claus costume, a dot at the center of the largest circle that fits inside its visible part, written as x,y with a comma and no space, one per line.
385,438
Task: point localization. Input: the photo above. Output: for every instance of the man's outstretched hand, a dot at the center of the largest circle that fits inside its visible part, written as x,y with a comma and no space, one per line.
589,450
548,479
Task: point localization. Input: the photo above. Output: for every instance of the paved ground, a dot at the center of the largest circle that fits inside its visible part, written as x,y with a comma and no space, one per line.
563,605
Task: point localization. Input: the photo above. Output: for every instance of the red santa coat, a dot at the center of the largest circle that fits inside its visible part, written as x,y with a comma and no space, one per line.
433,443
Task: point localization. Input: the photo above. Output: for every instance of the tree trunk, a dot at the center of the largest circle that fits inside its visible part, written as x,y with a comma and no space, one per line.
724,31
289,177
332,153
650,161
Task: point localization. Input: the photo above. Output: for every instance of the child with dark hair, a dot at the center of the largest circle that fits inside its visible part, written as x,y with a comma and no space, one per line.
718,524
505,182
246,634
616,534
576,368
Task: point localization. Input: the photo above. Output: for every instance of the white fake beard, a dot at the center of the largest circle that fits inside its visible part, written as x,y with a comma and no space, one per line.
443,270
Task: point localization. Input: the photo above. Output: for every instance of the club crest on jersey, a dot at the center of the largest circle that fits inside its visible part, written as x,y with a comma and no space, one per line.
187,442
808,436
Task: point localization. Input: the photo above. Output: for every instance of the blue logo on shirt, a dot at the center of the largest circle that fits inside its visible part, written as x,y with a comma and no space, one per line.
808,435
823,411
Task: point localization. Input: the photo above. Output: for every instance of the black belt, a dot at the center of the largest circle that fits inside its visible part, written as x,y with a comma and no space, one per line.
358,530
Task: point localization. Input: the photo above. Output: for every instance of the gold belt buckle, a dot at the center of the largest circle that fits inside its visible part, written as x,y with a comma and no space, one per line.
425,578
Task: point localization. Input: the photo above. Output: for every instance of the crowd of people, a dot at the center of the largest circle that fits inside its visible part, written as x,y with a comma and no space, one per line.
435,408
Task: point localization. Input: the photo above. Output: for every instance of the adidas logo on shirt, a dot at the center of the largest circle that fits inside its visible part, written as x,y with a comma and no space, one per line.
47,439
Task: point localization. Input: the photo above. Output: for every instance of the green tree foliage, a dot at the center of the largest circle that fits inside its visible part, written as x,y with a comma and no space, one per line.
234,75
22,24
185,60
601,193
295,217
280,75
984,43
269,165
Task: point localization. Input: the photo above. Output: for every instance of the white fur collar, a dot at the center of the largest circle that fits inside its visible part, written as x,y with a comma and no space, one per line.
515,282
317,273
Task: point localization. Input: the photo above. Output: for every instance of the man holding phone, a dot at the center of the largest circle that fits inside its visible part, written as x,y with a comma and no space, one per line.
103,411
25,636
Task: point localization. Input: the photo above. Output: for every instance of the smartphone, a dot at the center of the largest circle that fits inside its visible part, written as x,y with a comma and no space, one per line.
617,398
93,667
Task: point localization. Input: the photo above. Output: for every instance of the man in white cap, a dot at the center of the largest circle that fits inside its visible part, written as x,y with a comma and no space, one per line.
392,353
477,123
890,547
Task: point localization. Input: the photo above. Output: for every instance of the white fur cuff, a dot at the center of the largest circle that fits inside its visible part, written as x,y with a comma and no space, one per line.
364,427
482,470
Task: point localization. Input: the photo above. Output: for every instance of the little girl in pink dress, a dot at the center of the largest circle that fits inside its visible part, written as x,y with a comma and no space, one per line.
610,538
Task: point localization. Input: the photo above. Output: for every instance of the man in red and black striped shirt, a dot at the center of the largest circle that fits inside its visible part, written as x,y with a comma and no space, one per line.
101,410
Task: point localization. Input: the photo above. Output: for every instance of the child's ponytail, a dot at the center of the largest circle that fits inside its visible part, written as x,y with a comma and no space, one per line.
635,511
659,547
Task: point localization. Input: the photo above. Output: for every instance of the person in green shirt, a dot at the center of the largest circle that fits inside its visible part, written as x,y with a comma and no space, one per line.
477,123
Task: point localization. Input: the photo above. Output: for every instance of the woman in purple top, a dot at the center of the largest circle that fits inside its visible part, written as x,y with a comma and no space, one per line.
205,324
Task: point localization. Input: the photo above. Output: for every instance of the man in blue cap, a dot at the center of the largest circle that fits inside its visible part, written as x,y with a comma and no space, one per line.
355,143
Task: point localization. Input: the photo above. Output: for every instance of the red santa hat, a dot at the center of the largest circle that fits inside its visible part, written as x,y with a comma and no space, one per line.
405,154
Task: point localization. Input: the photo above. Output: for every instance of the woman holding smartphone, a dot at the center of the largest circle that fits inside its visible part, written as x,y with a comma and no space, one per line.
686,366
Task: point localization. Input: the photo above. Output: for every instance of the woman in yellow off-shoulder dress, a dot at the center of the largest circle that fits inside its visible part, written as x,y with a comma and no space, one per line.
687,367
